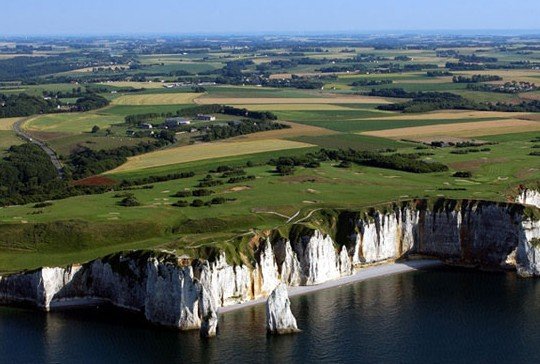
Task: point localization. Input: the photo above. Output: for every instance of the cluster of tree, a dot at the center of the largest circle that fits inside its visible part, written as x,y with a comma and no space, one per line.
513,87
31,69
153,179
429,101
290,63
90,102
462,66
24,105
476,78
303,83
28,175
87,162
227,110
447,53
438,73
408,163
473,58
402,58
26,171
402,162
344,68
371,82
242,127
422,101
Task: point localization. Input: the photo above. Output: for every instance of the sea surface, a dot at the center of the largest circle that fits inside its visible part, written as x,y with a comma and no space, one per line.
439,315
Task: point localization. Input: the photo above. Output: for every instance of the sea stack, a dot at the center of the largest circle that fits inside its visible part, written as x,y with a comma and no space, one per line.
279,318
208,312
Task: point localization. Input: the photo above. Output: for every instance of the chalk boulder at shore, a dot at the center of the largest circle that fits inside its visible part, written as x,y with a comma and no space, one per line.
279,318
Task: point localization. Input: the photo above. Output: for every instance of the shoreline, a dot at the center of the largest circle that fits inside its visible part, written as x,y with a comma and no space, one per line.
362,275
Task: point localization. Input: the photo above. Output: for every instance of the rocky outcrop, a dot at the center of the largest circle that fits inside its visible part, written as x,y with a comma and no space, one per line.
208,312
279,318
529,197
186,292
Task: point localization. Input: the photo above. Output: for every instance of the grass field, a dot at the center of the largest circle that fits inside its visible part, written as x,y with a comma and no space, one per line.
294,107
298,100
495,174
7,123
339,116
156,99
205,151
7,139
148,85
71,122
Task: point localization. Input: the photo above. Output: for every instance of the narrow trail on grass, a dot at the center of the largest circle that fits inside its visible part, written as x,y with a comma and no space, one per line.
19,130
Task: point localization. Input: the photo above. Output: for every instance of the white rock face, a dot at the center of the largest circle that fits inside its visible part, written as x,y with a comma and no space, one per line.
291,272
528,250
279,318
529,197
318,259
208,312
172,298
167,293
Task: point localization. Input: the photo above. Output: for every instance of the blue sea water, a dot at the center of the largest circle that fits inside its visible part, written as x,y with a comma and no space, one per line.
440,315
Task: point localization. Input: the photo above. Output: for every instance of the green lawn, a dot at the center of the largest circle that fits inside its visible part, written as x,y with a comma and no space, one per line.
495,174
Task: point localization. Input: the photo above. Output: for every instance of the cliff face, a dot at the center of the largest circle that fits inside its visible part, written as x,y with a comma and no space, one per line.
185,293
529,197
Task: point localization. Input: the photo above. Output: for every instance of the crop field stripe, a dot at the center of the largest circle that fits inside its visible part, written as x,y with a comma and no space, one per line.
205,151
470,129
156,99
450,114
7,123
298,100
293,107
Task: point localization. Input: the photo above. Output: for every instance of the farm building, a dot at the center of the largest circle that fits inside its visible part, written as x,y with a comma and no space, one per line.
206,117
177,121
146,126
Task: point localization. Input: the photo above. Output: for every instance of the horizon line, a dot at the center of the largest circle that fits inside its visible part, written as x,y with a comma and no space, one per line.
385,32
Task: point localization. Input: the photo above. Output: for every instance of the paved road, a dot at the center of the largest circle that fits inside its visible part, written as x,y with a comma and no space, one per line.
18,128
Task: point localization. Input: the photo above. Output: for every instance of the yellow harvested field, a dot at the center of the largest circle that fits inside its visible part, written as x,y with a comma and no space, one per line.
456,114
156,99
295,130
460,130
203,151
507,75
276,100
135,84
280,76
7,123
292,107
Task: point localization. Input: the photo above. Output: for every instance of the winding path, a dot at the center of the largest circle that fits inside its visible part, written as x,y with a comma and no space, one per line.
19,130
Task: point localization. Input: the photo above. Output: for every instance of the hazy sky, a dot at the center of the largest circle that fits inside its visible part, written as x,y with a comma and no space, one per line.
35,17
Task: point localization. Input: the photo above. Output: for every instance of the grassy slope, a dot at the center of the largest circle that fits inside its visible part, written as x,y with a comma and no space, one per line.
84,227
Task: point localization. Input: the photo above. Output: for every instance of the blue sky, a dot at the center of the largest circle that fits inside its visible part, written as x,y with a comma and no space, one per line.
46,17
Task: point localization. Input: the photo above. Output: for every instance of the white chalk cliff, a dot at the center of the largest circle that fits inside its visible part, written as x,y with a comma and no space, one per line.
185,293
279,318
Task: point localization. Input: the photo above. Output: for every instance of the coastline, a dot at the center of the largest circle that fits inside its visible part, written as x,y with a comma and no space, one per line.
362,275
